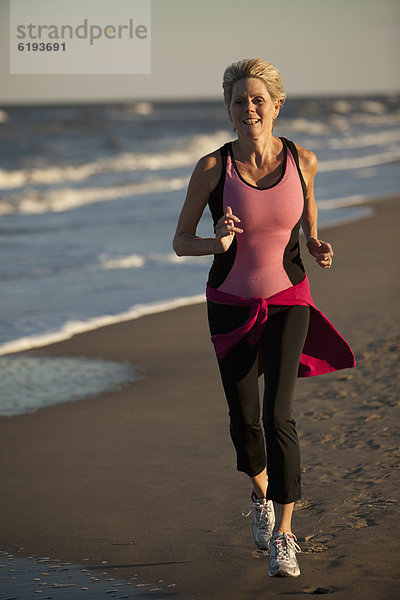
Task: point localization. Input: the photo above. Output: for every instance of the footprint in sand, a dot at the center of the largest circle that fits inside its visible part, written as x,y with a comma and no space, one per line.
353,474
373,445
319,416
317,543
358,524
303,504
373,417
314,548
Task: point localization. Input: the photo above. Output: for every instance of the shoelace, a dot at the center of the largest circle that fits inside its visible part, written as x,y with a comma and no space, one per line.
283,543
261,511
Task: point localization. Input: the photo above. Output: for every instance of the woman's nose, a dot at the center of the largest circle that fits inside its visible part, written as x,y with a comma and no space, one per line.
249,106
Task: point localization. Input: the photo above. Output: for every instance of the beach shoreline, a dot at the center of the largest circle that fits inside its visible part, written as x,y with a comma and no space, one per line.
144,476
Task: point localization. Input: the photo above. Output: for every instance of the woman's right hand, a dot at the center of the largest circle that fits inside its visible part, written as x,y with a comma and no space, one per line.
225,231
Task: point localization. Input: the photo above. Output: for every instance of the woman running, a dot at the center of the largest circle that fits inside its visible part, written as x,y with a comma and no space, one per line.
260,189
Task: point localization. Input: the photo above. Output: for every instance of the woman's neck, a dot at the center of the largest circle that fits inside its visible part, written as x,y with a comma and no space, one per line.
257,151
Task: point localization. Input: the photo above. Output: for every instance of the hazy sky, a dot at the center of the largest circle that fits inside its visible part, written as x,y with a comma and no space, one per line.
320,47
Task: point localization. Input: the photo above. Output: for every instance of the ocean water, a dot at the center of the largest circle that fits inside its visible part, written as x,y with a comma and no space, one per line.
24,577
28,383
90,195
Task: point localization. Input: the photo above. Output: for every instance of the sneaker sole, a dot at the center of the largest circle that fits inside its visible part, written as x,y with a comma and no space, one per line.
283,573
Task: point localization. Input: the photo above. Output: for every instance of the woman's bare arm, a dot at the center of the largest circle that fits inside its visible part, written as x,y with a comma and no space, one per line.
321,251
203,180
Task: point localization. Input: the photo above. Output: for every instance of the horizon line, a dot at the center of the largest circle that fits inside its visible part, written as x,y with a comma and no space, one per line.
172,99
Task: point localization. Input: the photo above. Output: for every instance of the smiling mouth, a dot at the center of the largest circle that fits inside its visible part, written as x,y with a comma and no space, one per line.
251,121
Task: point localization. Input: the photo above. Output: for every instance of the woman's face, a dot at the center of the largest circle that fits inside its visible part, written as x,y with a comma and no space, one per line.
251,110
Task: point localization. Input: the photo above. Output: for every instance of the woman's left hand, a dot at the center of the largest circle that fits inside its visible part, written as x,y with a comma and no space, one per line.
321,251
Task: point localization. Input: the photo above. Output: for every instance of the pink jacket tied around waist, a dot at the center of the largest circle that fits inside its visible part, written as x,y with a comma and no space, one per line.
324,351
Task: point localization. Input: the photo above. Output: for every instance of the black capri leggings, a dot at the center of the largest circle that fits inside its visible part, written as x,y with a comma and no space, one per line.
282,343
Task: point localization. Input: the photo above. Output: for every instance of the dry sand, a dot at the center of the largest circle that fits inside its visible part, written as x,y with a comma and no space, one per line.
144,477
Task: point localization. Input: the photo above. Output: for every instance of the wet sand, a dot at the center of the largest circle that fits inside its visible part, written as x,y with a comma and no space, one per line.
144,477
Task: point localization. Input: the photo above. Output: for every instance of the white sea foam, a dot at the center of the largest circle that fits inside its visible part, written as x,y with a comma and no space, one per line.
342,202
190,152
143,108
364,209
358,162
389,138
72,328
171,257
354,200
136,261
363,141
363,212
341,121
375,120
33,201
307,126
373,106
342,106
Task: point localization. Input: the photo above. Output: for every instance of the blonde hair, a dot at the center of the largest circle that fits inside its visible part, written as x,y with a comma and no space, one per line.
258,68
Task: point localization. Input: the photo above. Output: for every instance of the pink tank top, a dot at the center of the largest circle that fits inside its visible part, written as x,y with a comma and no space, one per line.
269,218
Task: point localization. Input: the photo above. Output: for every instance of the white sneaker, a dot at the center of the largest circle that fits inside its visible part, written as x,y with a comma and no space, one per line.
263,521
282,552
